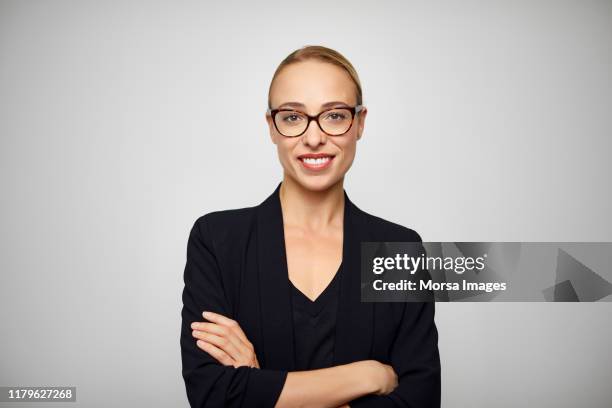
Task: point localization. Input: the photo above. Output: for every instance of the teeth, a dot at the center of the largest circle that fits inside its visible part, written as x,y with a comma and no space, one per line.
319,160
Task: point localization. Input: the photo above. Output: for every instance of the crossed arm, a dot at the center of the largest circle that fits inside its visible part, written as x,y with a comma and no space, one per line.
221,368
224,340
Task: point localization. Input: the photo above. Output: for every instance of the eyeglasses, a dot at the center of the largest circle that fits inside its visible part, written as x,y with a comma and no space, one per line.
334,122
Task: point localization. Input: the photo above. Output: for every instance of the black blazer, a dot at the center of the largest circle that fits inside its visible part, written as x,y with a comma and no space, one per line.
236,265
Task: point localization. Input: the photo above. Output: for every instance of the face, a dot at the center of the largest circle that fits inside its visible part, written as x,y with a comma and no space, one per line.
312,84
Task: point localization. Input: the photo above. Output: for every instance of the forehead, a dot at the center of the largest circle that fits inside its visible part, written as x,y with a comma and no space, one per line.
312,83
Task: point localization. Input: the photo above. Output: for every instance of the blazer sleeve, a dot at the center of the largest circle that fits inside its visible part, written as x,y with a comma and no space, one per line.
415,358
209,383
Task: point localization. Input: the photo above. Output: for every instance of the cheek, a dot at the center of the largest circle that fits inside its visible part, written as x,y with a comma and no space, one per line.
284,153
348,156
348,150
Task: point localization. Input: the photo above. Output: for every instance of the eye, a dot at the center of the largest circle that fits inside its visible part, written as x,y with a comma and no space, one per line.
336,116
291,117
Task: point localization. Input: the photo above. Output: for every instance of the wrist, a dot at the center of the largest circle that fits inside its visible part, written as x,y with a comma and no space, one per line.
365,373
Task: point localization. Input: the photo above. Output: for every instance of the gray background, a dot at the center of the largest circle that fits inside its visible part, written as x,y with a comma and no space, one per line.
122,122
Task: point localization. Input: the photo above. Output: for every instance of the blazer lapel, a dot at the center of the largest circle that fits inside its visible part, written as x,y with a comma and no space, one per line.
354,322
277,322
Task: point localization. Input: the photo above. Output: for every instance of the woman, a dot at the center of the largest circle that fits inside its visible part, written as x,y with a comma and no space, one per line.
271,313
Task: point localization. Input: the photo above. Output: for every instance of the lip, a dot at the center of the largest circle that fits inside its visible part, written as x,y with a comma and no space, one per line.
316,167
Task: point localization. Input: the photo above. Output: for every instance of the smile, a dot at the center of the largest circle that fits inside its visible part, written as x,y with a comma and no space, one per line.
316,162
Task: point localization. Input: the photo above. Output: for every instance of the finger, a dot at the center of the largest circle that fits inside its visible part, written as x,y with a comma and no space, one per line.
227,322
216,353
217,318
224,329
223,343
213,328
221,331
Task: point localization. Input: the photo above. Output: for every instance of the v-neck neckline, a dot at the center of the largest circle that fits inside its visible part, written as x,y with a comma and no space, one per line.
323,295
284,244
354,329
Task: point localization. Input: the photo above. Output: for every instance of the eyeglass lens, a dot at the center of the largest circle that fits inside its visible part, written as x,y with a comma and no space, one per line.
333,122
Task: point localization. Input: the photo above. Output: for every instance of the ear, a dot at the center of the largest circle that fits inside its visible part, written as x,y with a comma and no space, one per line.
271,128
362,117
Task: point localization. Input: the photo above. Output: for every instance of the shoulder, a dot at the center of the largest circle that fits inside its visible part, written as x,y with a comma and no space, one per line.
226,224
225,233
226,219
386,230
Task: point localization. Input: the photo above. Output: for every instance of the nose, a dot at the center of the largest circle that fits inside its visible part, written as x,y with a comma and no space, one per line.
313,136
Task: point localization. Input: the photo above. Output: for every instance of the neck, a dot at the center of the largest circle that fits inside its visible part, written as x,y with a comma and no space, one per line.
310,209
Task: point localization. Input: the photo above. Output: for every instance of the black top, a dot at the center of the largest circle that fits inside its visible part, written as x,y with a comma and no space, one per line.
314,325
236,265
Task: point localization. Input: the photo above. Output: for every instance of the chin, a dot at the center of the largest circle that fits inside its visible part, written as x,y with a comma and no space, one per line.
317,183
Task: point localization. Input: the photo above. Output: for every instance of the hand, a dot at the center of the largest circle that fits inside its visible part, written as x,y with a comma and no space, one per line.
388,379
224,340
383,376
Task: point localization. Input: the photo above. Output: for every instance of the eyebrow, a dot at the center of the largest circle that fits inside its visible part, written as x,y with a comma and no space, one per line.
301,105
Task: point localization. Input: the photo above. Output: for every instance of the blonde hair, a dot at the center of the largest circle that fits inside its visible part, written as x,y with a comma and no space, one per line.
324,54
